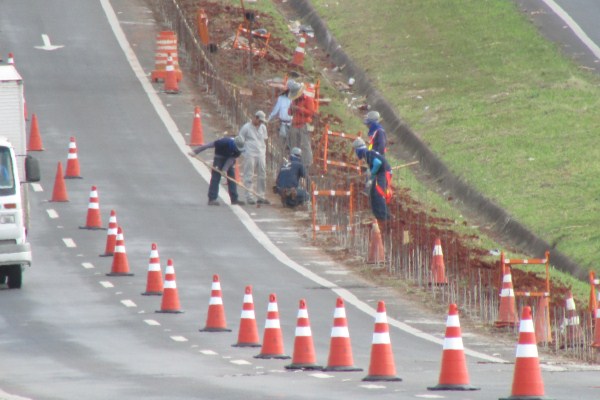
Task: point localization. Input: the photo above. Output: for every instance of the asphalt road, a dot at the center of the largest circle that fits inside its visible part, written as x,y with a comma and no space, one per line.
73,332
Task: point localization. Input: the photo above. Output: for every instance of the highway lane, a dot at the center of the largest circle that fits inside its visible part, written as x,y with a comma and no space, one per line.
68,330
572,25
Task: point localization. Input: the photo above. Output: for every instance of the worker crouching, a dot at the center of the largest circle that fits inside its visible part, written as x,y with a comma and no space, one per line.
288,183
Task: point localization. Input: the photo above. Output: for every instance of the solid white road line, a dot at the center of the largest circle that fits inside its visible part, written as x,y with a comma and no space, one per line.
562,14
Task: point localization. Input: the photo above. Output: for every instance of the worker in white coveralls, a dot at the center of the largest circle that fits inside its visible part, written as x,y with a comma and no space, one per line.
254,134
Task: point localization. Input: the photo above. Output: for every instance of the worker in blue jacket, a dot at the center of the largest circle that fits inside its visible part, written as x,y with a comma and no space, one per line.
227,150
379,178
287,184
377,136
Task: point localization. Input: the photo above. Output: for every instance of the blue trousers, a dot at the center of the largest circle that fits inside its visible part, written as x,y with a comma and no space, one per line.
215,180
378,204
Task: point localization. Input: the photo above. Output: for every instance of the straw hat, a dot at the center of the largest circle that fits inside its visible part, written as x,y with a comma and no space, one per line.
296,90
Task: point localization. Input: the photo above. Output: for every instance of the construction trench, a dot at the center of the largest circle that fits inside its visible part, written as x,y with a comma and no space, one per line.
474,281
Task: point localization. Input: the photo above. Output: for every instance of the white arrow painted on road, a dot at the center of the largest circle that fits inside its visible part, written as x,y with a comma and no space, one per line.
47,45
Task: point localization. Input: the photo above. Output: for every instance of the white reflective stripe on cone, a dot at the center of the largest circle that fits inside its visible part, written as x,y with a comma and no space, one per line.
170,285
527,351
453,344
215,301
272,323
303,331
340,331
381,338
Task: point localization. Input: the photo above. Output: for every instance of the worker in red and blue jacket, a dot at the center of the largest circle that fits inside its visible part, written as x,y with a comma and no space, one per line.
379,179
377,135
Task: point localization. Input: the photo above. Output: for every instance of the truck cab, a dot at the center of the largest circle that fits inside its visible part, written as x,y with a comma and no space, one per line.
16,169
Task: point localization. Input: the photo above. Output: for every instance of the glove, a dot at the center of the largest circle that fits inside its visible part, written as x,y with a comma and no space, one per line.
368,184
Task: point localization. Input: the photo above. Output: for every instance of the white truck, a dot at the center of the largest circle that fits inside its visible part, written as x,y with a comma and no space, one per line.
15,164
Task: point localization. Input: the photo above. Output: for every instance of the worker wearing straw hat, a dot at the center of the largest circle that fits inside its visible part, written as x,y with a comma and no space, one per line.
302,111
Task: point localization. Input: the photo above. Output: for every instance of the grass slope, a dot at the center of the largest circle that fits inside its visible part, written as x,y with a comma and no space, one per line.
496,101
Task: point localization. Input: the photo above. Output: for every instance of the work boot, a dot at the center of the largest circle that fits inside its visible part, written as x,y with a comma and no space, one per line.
251,202
214,203
238,202
263,201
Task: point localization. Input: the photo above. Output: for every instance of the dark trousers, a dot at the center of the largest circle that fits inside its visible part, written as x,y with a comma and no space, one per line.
215,179
300,198
378,204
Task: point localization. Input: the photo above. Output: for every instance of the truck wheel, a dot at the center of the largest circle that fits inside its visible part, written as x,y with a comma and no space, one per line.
14,277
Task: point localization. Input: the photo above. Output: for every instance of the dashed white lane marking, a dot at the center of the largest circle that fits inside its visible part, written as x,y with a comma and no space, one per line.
208,352
240,362
107,284
52,213
152,322
336,272
179,338
321,375
372,386
37,187
128,303
69,242
87,265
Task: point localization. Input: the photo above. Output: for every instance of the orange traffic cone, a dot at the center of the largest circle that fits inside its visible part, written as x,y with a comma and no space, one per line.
273,338
154,281
376,251
35,139
170,298
93,219
72,161
543,331
59,193
248,332
340,349
593,302
197,137
171,84
304,348
111,235
120,264
438,269
596,342
454,374
381,367
215,319
574,333
166,43
298,57
527,379
507,315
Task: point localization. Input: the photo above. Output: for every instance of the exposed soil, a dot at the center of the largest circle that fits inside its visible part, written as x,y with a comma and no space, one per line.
262,77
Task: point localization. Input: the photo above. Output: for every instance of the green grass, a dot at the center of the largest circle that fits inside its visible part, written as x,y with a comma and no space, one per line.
496,101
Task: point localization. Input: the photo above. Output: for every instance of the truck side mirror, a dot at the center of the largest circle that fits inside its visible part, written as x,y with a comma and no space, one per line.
32,169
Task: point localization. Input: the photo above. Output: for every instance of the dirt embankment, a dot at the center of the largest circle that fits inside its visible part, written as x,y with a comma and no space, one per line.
253,73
